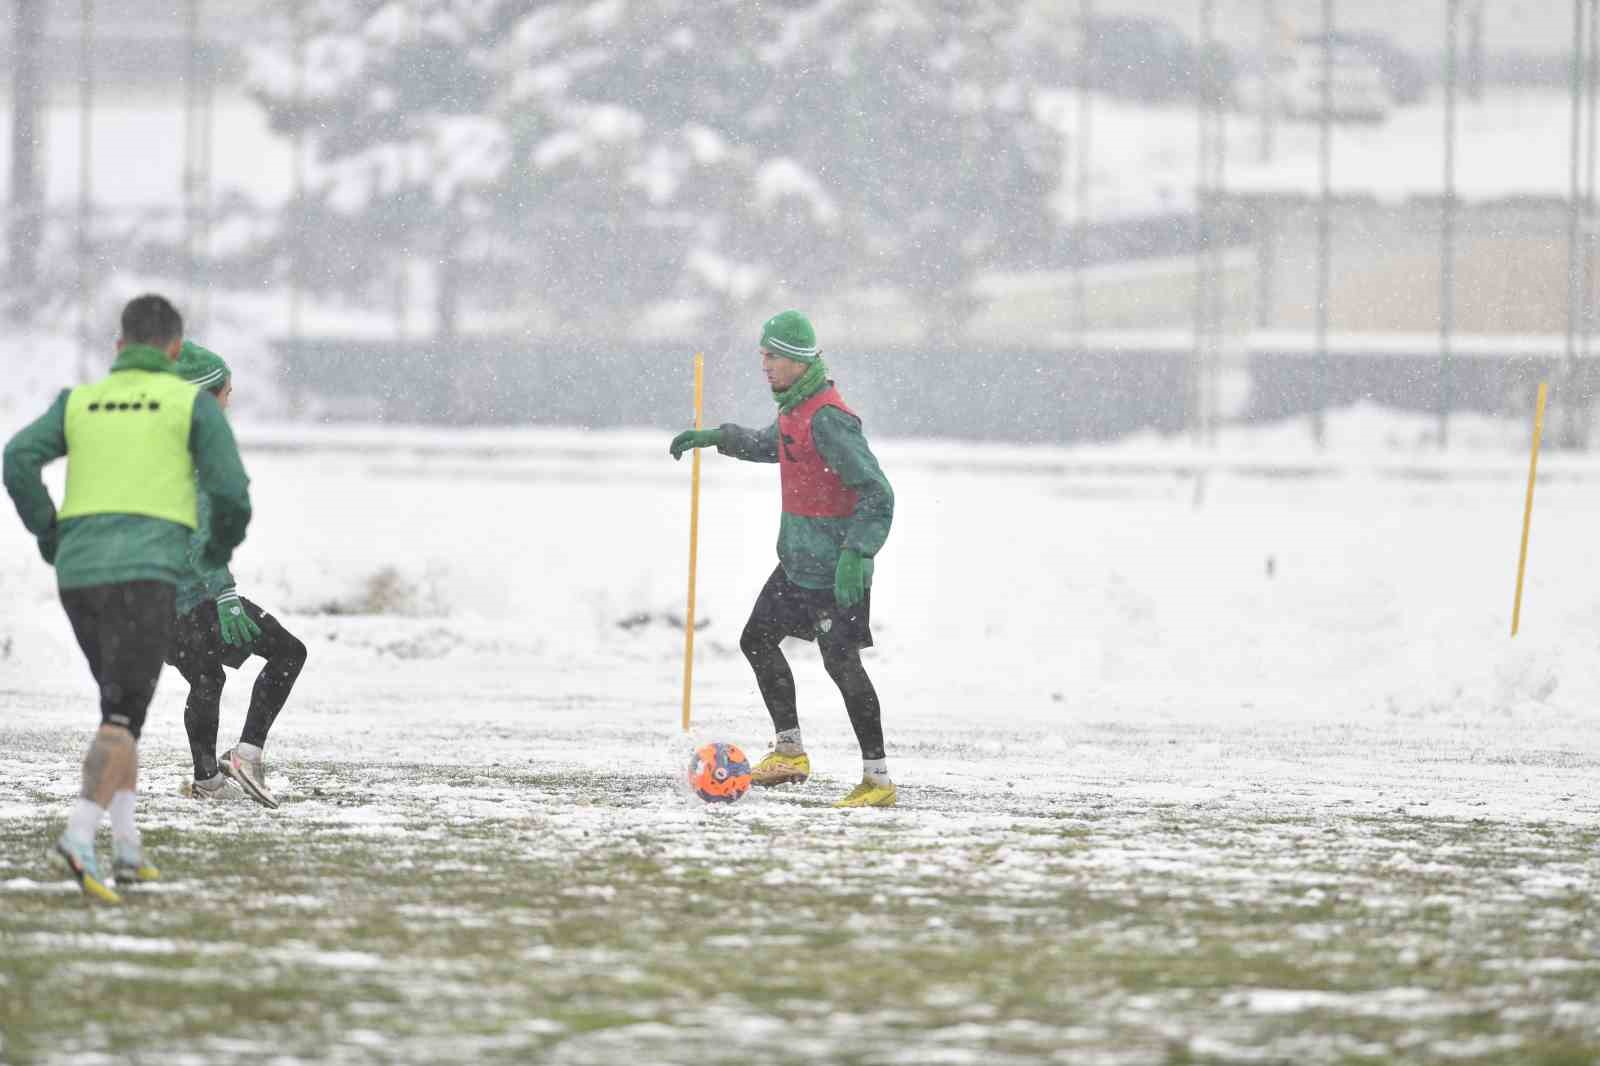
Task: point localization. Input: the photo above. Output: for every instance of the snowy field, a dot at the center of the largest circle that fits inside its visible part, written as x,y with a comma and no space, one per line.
1206,756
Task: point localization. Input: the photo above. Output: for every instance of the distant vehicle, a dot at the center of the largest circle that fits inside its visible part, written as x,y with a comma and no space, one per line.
1291,83
1139,58
1402,74
1358,90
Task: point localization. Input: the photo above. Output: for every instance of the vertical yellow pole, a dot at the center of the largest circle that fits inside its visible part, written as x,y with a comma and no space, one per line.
1527,509
694,540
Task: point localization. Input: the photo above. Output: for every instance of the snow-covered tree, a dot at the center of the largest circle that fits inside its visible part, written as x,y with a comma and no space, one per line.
396,101
596,159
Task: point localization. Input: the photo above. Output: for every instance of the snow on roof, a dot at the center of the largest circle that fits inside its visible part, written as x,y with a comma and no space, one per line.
1511,143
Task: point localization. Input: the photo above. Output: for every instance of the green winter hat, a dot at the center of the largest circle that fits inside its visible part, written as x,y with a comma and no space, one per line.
202,367
789,334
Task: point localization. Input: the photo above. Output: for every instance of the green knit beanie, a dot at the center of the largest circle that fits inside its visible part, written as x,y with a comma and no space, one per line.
789,334
203,367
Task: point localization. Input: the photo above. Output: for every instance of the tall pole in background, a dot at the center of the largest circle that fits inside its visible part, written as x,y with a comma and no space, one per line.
85,248
1265,222
191,151
27,215
1592,92
204,183
197,132
1475,51
1083,158
1324,255
1210,295
1447,224
297,157
1203,206
1219,247
1569,429
1269,75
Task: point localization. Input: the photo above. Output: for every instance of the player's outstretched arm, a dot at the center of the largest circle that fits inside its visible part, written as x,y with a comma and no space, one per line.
751,445
736,442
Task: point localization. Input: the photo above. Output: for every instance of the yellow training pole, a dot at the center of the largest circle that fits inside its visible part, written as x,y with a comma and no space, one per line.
1527,509
694,540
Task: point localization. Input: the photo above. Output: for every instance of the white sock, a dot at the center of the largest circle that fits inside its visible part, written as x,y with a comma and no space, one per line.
875,770
789,742
247,751
84,821
123,830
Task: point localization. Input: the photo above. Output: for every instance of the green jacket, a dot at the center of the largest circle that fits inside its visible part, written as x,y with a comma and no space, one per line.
201,584
809,548
104,549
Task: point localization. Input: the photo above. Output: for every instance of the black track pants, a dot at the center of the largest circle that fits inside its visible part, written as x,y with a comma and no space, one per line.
786,610
200,654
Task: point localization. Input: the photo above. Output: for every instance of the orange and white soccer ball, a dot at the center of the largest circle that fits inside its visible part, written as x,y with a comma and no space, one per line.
719,773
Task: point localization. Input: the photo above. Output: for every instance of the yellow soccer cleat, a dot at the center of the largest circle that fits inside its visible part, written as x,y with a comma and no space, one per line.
133,869
85,870
142,874
870,794
779,769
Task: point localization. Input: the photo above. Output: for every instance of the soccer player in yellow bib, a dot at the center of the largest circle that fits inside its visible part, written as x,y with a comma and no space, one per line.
138,444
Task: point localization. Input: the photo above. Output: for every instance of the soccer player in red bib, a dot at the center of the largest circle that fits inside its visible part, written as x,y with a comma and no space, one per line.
837,508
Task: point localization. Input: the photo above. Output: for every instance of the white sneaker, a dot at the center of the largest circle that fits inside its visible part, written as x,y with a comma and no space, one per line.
251,776
213,788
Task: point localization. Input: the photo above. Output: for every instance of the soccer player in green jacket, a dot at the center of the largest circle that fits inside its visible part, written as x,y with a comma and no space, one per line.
219,628
837,508
140,444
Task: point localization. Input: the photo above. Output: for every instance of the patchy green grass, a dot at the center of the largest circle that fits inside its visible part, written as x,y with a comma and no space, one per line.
450,914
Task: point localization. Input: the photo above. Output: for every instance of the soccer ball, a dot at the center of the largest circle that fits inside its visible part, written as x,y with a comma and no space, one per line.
719,773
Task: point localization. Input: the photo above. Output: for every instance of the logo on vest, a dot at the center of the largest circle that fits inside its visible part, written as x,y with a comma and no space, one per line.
141,404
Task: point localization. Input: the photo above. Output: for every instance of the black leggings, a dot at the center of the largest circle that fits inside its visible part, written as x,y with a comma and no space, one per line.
200,655
124,630
761,642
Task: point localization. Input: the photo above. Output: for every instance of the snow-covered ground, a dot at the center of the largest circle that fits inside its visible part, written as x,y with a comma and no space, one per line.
1201,578
1193,688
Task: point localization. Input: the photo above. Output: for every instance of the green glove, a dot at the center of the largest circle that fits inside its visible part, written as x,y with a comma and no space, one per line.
849,579
695,438
237,628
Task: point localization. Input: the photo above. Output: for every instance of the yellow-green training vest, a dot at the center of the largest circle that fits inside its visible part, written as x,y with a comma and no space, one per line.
128,447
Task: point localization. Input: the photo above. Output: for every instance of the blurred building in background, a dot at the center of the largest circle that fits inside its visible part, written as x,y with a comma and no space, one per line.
1194,265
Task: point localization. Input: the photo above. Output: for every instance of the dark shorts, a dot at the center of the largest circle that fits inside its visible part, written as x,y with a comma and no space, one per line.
124,631
197,642
812,614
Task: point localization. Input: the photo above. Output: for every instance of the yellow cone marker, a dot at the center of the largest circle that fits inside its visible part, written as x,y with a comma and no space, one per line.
1527,508
694,540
